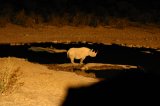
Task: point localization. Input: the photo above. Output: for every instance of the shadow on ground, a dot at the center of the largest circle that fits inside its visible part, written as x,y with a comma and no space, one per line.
125,89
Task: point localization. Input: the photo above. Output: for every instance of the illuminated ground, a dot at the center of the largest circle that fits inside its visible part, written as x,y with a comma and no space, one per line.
147,36
43,86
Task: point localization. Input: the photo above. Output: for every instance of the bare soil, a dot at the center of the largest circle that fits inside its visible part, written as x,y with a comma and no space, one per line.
42,86
48,87
146,36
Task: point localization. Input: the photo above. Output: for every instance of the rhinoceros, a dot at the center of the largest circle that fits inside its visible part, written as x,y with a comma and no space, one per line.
80,53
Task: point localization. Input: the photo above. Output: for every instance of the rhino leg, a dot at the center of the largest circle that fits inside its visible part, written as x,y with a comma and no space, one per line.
72,60
81,60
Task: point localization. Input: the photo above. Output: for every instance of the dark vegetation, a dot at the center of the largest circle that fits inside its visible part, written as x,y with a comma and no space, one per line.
79,12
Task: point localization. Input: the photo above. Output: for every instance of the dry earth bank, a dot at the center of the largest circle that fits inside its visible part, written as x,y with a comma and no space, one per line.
42,87
147,36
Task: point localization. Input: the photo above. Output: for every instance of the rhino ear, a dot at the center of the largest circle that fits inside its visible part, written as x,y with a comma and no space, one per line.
91,50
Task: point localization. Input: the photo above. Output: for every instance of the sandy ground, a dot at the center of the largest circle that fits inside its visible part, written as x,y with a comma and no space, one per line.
146,36
45,87
42,87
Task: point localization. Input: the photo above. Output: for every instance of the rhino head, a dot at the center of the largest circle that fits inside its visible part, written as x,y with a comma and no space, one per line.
92,53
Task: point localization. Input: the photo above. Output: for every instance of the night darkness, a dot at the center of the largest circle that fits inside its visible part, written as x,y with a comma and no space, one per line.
133,10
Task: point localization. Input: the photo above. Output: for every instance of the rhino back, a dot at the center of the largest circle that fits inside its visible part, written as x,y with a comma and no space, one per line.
79,52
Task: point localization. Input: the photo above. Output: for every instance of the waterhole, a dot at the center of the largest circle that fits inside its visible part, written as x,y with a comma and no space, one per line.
146,59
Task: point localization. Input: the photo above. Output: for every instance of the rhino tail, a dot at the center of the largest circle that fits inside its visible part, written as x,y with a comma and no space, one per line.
67,54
